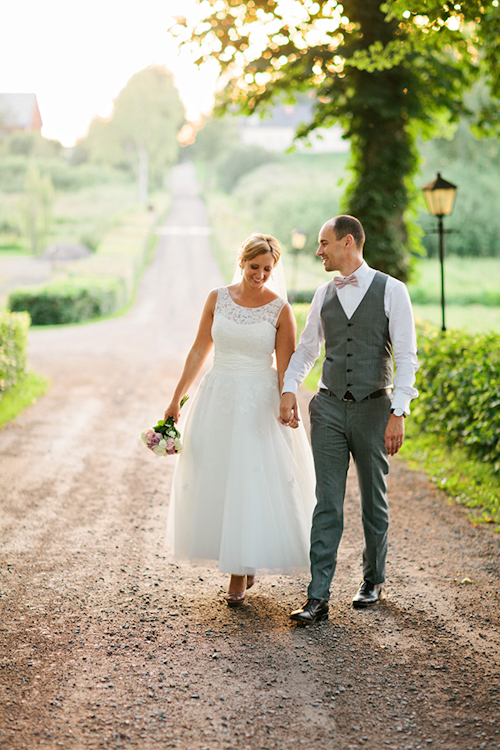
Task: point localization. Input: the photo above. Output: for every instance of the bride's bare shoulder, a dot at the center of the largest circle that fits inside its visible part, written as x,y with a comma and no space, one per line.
211,299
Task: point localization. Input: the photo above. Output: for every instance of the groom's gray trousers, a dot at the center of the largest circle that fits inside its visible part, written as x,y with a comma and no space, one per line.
340,429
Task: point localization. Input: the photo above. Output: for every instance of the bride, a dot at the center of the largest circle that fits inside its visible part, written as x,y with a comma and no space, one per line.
243,488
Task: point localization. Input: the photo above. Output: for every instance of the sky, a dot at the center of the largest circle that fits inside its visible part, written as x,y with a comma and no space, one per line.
77,56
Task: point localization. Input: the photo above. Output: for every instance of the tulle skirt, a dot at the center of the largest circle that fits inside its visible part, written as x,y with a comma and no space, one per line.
243,488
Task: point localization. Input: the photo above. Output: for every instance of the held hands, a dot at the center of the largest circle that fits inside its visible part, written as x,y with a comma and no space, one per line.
394,434
289,415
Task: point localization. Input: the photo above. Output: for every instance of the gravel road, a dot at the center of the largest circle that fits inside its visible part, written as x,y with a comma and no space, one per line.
106,643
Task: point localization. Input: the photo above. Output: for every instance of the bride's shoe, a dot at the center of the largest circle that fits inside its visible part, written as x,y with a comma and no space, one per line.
250,581
235,600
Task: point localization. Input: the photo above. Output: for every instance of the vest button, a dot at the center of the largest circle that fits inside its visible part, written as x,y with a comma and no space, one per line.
349,385
349,354
348,370
349,339
350,324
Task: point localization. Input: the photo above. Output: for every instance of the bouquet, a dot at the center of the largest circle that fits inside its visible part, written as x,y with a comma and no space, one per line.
164,439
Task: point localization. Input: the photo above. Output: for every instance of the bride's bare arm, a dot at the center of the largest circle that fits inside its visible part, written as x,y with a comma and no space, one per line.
197,355
285,347
286,333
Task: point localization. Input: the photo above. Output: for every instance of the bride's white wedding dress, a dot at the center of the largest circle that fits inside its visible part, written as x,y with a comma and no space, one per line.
243,489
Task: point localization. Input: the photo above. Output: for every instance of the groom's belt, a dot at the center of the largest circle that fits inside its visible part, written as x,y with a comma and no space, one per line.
349,397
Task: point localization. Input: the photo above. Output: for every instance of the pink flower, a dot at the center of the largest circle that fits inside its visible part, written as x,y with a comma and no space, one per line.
170,444
146,436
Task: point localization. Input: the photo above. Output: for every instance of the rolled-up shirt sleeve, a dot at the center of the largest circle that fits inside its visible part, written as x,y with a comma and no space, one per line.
404,343
309,347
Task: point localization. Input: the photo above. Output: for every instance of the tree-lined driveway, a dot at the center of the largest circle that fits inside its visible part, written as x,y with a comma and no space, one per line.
106,642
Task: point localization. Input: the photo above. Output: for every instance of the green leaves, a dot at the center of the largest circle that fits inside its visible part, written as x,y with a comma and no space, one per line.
387,72
69,300
459,384
166,427
13,348
454,434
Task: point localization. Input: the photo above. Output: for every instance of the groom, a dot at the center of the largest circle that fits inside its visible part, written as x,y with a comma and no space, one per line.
364,317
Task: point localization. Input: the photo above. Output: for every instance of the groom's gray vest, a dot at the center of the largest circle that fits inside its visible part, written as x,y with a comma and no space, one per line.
358,349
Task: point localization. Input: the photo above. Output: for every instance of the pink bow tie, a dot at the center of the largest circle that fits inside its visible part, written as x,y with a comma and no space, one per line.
342,281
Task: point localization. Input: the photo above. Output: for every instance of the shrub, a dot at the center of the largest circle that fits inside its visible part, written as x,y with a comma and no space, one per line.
301,296
238,161
473,165
285,195
459,384
69,300
64,176
13,344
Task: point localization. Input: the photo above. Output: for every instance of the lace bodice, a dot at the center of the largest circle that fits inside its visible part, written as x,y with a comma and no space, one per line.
244,337
247,315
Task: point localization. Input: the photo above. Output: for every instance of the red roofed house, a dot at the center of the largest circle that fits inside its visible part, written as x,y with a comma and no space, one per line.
19,112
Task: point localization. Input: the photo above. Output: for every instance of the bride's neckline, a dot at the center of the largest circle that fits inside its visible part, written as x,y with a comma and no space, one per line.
245,307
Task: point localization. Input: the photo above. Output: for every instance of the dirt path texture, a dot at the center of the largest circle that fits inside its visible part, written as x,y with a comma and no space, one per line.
105,642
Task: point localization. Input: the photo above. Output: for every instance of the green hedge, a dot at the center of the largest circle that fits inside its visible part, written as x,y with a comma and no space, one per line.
300,296
459,384
13,345
63,175
69,300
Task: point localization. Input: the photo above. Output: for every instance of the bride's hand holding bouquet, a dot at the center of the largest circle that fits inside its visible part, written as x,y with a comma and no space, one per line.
173,410
164,439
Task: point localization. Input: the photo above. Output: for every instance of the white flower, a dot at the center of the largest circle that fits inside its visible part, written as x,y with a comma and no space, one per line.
161,448
178,445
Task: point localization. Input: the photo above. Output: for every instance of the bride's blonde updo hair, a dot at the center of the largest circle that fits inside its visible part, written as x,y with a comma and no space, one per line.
259,244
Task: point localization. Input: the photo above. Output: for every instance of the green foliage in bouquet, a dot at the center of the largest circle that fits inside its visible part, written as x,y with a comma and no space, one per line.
69,300
166,427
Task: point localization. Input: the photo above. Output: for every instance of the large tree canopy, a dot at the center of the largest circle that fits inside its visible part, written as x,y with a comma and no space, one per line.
386,71
143,128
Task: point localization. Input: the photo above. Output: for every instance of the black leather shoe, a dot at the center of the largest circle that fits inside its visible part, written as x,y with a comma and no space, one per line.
368,593
314,610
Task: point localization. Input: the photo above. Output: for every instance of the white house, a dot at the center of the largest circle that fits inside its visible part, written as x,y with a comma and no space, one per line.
276,131
19,112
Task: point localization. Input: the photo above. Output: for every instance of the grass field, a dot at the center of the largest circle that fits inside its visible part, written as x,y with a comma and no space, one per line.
470,318
465,278
25,393
78,217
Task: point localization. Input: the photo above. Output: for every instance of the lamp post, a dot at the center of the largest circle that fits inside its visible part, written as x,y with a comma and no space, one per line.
298,242
440,196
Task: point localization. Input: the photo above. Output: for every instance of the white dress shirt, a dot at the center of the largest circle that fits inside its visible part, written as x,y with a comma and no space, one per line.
398,310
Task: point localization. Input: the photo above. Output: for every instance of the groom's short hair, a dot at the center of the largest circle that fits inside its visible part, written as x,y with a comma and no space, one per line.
346,224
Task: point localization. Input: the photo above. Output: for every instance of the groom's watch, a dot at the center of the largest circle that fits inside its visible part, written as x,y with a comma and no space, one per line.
398,412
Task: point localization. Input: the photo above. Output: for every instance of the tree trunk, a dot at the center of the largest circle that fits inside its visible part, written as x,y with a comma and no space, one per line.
384,157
